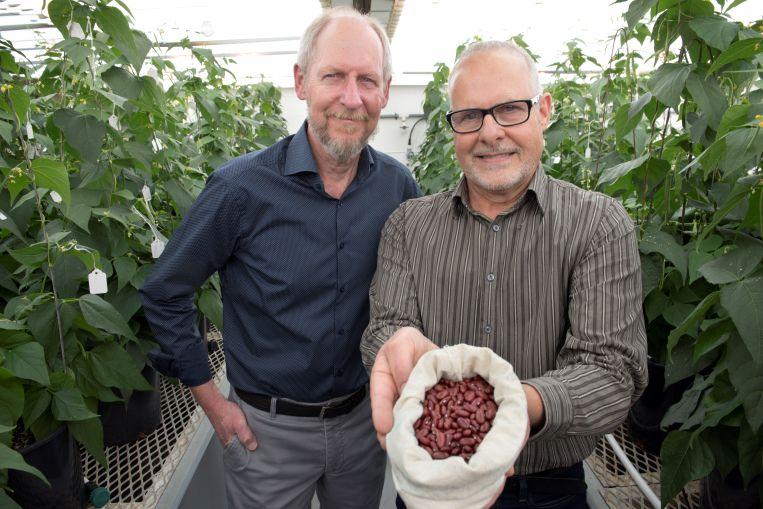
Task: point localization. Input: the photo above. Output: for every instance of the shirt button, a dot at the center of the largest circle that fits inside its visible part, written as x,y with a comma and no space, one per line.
341,245
340,332
339,204
496,227
341,289
488,329
491,277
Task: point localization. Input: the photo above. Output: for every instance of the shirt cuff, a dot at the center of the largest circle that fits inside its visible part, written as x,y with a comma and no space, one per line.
557,406
192,368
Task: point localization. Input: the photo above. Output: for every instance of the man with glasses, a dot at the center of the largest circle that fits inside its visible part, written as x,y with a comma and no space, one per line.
542,272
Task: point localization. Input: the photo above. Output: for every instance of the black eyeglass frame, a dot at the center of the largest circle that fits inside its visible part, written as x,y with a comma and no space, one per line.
489,111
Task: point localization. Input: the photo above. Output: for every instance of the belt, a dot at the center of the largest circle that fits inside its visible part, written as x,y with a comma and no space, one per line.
557,481
285,407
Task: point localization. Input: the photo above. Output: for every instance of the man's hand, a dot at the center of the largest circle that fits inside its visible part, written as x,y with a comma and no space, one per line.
392,367
226,417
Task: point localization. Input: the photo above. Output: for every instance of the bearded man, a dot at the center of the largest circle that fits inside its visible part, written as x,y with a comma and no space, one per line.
293,231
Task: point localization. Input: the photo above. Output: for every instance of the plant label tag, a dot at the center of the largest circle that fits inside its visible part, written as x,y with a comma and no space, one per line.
157,247
146,193
97,281
3,217
56,197
114,122
29,130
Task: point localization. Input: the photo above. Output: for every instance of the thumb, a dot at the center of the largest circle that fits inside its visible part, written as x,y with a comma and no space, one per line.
246,436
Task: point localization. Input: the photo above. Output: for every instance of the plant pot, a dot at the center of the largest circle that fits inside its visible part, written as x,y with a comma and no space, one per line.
58,458
729,493
645,416
142,415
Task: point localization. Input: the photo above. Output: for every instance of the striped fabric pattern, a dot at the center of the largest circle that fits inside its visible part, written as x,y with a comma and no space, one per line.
552,285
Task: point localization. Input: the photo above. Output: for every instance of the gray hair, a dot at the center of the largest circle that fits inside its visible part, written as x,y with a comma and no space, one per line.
307,44
487,46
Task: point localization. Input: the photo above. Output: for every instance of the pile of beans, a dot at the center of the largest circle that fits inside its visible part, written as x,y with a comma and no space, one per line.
456,417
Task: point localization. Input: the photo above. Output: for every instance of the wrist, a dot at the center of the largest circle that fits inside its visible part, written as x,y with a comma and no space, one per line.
535,410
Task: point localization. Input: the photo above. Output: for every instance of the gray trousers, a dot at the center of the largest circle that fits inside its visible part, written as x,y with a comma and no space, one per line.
339,457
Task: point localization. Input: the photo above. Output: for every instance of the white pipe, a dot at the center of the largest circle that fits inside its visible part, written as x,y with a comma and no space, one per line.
633,472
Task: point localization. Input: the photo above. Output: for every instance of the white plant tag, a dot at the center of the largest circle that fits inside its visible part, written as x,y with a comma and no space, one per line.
146,193
114,122
75,30
3,217
97,281
157,247
29,130
55,196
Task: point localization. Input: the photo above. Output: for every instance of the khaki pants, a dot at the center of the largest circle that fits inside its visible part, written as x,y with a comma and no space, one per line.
338,457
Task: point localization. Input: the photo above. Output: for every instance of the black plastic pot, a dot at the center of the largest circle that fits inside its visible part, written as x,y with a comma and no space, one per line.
142,416
728,493
58,458
645,416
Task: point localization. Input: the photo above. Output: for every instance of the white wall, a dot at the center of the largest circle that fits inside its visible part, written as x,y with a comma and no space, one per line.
392,134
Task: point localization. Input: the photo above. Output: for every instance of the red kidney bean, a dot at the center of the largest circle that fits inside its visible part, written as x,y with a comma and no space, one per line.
456,417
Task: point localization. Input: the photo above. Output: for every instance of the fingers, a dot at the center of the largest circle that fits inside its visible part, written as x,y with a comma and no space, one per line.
383,395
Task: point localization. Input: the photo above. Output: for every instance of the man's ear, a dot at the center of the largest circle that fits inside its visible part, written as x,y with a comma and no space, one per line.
546,109
386,92
299,82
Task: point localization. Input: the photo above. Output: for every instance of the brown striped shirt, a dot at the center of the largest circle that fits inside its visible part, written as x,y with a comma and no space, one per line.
552,285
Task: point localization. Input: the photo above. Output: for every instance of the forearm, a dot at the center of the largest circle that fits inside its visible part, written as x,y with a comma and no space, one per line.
209,397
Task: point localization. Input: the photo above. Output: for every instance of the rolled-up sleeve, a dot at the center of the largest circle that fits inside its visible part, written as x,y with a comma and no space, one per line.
601,368
392,294
206,238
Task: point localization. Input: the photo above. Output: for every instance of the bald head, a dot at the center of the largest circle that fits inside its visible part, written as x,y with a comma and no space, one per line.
507,47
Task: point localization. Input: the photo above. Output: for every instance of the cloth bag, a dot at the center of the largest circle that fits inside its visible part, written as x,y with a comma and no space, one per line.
423,482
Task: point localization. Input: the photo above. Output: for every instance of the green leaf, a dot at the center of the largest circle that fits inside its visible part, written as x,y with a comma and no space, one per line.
743,301
125,267
696,315
615,172
747,379
656,241
122,82
684,458
20,101
696,260
212,306
68,405
11,398
715,31
52,175
31,256
113,367
681,411
750,457
709,97
114,23
37,400
668,81
101,314
733,265
650,275
89,432
710,339
15,461
740,50
742,146
10,225
28,361
6,132
636,11
60,12
638,105
84,133
182,198
624,121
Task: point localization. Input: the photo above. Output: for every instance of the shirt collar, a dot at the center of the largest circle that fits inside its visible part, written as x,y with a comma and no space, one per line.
538,188
300,159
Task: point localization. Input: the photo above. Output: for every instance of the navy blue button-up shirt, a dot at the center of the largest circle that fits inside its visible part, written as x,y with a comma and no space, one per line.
295,266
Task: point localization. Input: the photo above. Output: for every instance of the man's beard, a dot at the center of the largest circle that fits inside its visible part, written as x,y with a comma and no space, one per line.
507,181
340,149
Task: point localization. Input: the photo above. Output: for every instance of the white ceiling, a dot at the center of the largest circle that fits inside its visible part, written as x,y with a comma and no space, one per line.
263,37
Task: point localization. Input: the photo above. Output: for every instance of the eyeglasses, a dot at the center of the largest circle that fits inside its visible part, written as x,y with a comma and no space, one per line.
505,114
